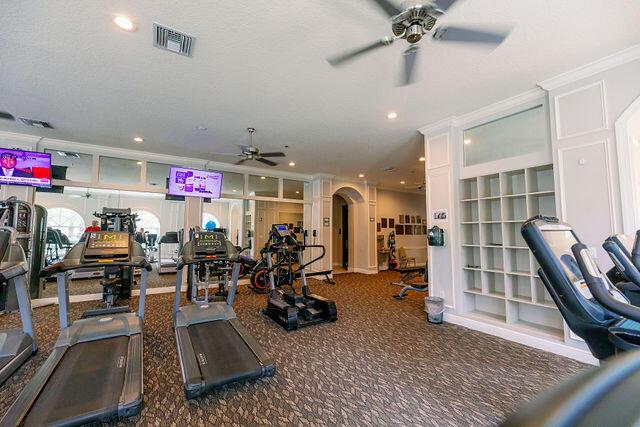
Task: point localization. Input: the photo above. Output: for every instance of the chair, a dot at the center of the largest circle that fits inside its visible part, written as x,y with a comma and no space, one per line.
404,260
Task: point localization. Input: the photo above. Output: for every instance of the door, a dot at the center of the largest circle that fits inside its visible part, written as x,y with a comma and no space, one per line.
345,236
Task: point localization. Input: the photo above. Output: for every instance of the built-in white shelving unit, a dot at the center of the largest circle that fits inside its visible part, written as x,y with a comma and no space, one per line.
499,273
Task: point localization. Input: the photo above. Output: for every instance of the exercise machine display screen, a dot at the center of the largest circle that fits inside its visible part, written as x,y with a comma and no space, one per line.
210,240
560,242
282,229
108,240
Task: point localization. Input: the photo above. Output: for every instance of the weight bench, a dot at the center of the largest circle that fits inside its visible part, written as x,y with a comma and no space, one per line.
408,274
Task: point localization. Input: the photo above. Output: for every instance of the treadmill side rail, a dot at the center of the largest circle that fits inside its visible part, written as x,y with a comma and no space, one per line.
268,365
191,375
131,397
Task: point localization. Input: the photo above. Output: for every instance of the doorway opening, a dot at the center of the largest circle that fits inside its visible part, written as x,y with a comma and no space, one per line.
340,234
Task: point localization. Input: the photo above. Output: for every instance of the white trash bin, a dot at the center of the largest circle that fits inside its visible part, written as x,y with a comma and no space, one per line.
434,306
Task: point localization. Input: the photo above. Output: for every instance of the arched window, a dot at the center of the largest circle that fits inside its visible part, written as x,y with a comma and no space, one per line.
209,222
68,221
148,221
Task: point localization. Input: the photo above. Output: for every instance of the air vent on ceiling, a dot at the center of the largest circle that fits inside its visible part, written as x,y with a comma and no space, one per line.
389,169
5,115
36,123
172,40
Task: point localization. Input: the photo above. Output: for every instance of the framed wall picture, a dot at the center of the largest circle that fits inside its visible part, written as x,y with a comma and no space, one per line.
401,219
384,222
379,227
407,219
413,219
408,230
418,219
392,223
399,230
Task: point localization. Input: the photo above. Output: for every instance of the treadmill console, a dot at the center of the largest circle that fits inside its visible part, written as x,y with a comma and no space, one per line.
281,229
106,246
209,243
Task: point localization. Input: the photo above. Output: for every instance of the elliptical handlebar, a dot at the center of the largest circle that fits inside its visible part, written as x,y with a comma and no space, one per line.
635,253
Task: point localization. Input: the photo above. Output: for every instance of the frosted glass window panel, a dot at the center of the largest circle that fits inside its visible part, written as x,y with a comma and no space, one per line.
292,189
263,186
521,133
157,174
79,166
120,171
232,183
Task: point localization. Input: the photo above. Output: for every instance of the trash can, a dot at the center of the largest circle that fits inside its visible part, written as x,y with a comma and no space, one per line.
434,306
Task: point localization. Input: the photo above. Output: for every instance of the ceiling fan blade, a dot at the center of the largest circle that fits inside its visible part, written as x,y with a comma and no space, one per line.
389,8
273,154
347,56
217,153
410,55
444,5
241,161
266,162
468,35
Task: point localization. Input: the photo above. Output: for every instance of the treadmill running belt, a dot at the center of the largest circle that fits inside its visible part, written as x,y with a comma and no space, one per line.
222,354
86,383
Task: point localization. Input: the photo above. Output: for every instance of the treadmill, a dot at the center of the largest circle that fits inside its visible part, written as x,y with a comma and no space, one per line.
167,265
94,372
16,345
214,348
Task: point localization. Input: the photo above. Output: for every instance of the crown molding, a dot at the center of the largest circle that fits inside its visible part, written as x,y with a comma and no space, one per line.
20,138
438,126
422,192
603,64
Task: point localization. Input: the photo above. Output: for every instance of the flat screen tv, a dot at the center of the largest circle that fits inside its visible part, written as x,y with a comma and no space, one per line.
194,183
19,167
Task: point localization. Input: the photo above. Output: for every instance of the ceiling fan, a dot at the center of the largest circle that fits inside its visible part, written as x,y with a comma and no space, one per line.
251,152
411,24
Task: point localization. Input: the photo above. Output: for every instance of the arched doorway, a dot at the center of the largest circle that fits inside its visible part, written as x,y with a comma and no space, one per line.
628,147
349,233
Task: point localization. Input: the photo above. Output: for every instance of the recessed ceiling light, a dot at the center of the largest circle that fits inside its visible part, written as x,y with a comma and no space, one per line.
402,182
292,163
139,163
467,141
392,115
361,175
124,23
421,159
263,177
138,139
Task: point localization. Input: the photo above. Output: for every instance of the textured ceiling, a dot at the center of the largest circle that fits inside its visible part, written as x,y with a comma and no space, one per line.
261,64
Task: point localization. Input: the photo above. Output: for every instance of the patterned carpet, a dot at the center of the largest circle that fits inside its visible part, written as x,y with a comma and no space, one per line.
379,364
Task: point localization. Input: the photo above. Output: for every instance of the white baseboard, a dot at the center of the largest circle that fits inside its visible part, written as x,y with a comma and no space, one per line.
522,338
365,270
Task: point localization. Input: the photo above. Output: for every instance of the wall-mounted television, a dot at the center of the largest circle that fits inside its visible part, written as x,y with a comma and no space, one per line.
194,183
19,167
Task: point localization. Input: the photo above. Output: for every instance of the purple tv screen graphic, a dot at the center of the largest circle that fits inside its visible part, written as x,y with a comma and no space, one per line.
19,167
195,183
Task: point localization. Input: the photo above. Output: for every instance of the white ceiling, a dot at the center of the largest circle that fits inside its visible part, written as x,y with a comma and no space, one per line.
261,64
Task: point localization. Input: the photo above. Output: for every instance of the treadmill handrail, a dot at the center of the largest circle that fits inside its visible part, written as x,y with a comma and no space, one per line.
622,261
595,281
62,266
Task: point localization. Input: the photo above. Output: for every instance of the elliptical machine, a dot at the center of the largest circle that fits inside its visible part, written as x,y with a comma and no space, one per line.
288,308
117,281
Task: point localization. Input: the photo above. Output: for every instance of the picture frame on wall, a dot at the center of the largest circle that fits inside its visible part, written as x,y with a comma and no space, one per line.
408,230
399,230
392,223
378,227
401,219
418,219
407,219
413,219
384,222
